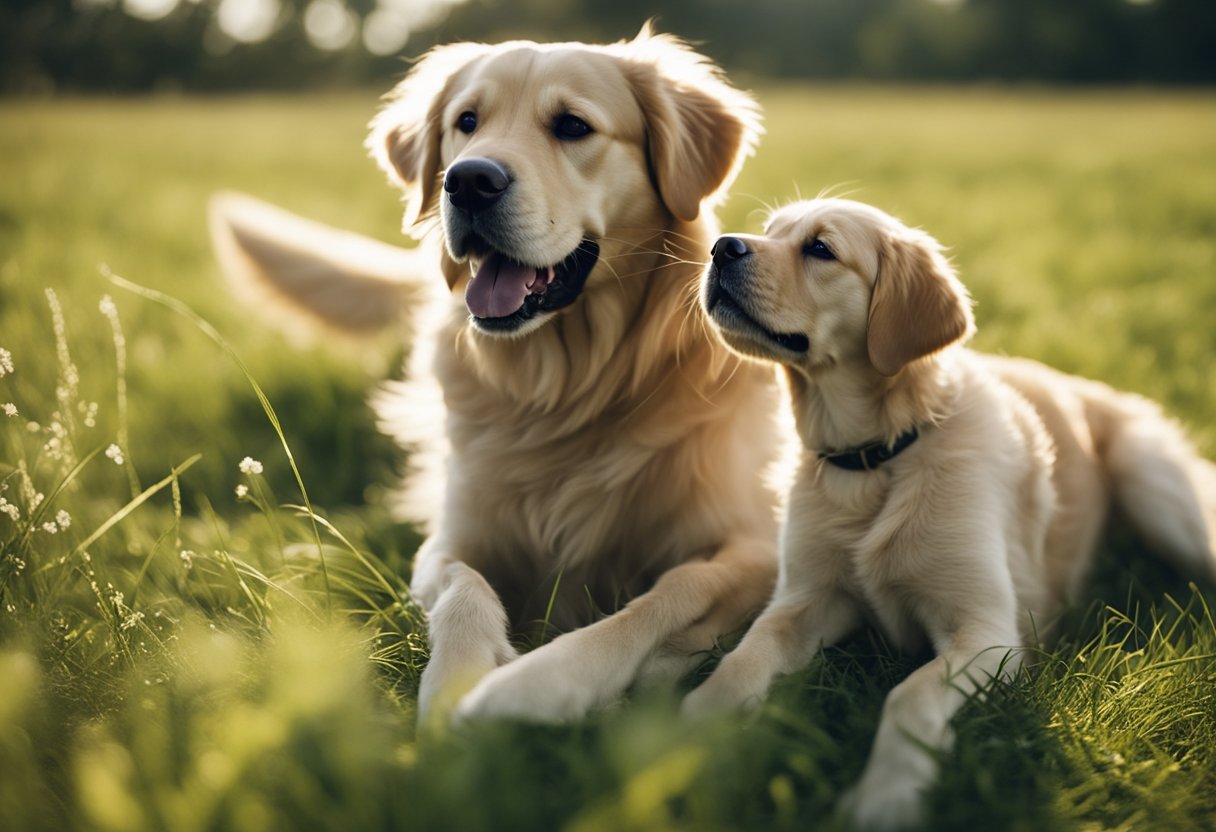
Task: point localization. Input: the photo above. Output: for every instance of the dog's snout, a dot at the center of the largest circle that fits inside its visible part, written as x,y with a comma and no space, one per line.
476,184
727,249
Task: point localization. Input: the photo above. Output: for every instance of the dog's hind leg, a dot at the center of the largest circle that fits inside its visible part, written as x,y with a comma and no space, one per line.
1164,486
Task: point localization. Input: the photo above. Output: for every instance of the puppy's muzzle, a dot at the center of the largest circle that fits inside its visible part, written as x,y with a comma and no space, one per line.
476,184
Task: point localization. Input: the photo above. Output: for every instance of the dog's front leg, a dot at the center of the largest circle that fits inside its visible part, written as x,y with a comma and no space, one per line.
783,640
467,629
914,729
588,668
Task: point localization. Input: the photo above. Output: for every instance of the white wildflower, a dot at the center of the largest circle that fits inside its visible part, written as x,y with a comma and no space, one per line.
63,519
242,491
9,409
116,597
10,609
249,465
86,557
33,427
187,559
18,563
11,510
132,620
6,362
53,448
49,527
107,307
89,411
114,453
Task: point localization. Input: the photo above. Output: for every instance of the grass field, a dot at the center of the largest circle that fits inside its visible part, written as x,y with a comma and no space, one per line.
174,656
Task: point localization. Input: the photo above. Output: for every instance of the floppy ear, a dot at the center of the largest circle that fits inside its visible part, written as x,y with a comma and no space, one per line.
405,134
699,128
918,306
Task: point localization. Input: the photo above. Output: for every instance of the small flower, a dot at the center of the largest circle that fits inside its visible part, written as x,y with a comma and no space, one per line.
9,409
10,609
242,491
6,362
187,559
116,597
89,411
107,307
249,465
114,453
63,519
33,427
11,510
49,527
132,620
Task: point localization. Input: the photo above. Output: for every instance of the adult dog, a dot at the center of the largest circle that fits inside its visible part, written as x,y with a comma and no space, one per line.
598,446
942,494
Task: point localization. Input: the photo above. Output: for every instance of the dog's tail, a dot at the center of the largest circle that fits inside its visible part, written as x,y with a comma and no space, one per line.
1160,482
351,282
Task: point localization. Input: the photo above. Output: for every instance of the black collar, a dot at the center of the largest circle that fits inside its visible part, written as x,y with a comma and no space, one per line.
869,457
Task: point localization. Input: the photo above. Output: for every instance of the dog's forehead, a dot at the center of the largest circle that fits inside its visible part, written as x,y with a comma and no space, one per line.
799,220
550,79
814,218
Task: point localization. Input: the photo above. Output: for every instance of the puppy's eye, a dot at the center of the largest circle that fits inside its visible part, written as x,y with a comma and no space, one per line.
467,122
570,128
819,250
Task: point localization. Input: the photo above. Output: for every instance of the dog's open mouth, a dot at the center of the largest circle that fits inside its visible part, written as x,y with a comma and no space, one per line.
505,293
731,316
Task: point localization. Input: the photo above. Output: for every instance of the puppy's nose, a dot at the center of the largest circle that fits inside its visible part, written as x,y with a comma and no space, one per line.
727,249
476,184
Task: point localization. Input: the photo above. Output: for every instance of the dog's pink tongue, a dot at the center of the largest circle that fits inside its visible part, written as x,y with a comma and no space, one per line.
499,287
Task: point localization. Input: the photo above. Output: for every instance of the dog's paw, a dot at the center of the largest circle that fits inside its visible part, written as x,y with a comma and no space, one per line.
716,697
551,684
889,806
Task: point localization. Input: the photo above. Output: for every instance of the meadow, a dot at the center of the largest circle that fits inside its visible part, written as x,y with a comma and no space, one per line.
194,640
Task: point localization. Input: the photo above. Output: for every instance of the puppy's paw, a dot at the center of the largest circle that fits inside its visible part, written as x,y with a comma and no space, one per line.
715,697
734,686
889,806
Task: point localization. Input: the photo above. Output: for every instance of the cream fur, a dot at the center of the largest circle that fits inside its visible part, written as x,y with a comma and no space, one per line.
974,538
615,447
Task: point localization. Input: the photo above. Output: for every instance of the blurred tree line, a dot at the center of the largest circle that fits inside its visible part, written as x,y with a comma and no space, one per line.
139,45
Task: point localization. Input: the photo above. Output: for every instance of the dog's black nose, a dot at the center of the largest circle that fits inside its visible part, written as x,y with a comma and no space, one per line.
476,184
728,249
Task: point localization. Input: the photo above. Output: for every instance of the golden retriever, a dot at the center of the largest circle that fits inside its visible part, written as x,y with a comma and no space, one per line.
598,449
942,495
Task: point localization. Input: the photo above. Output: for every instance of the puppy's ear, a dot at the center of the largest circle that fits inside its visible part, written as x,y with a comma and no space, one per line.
918,306
405,134
699,128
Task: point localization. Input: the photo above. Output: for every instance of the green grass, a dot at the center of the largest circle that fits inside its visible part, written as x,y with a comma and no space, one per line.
260,681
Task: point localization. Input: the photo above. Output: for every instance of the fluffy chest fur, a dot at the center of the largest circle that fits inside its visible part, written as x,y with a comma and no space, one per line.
965,507
570,462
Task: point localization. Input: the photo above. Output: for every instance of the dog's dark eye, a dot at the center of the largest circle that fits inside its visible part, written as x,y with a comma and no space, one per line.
570,128
819,250
467,122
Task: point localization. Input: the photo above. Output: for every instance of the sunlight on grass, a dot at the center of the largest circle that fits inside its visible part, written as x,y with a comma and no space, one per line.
192,642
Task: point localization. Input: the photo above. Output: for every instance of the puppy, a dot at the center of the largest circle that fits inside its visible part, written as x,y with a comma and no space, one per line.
597,447
942,495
